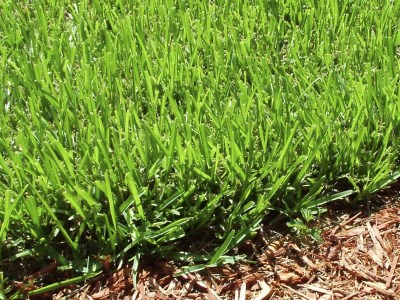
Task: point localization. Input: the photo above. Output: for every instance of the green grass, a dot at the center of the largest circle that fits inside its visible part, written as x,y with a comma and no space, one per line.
129,127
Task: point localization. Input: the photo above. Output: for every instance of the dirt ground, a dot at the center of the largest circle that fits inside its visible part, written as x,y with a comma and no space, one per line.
358,259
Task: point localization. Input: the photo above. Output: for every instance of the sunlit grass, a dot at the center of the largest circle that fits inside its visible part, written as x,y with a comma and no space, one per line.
129,126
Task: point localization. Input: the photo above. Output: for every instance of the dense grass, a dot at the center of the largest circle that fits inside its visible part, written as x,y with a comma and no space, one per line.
128,127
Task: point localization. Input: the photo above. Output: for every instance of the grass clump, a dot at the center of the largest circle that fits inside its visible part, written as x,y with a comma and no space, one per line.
129,126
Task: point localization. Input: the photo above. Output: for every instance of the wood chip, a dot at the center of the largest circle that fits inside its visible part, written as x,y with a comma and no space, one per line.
348,221
173,283
352,232
142,292
379,238
375,257
309,262
380,287
156,286
297,293
392,270
378,250
317,289
333,252
326,297
242,293
359,262
360,243
348,297
288,277
265,291
212,294
356,270
133,297
303,256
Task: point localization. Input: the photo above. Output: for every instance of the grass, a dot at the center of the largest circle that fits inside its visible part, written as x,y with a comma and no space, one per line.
128,127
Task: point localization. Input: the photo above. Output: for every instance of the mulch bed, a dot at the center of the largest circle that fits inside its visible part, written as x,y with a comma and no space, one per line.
359,259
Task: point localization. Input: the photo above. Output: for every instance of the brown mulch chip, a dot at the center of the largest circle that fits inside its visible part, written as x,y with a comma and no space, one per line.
358,259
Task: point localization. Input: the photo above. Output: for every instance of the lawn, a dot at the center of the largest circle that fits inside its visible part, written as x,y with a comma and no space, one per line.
131,129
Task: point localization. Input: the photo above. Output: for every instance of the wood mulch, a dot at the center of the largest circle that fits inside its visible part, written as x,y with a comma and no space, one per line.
358,259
